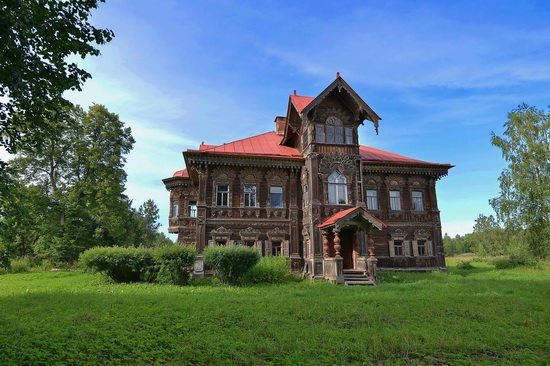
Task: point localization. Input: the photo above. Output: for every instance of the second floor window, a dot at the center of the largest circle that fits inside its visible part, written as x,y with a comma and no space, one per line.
337,188
192,208
222,195
417,201
276,196
333,132
395,200
175,209
249,195
372,199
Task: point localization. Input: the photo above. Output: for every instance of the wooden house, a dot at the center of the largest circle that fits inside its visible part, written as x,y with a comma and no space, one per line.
310,191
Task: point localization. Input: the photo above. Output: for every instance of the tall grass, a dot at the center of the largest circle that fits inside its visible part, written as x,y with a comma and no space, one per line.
476,316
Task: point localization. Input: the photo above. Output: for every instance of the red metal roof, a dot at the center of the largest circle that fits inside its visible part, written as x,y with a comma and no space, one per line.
300,102
181,173
350,211
266,144
370,154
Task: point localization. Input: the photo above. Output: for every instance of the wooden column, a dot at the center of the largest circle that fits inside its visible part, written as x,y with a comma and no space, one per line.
337,245
325,244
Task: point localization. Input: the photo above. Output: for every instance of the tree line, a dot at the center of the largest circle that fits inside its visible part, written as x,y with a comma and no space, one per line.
522,223
68,195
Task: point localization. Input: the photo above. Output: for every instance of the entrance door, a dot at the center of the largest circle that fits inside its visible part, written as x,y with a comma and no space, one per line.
346,249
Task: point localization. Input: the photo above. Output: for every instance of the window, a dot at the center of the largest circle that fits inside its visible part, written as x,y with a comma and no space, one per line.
305,200
398,247
276,196
372,199
249,243
349,135
276,248
222,195
249,195
192,208
421,245
320,133
417,201
337,189
333,132
395,200
175,209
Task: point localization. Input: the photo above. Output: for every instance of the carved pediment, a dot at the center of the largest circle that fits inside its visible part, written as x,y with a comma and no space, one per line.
250,175
221,233
422,234
398,234
223,174
276,175
277,234
249,234
341,114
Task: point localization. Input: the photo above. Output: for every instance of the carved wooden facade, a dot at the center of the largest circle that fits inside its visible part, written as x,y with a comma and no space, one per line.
293,192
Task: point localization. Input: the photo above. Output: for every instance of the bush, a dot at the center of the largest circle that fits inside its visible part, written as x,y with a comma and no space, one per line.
230,264
269,270
119,264
174,264
513,262
465,265
165,264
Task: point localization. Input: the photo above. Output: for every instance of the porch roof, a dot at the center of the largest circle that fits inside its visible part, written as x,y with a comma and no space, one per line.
341,219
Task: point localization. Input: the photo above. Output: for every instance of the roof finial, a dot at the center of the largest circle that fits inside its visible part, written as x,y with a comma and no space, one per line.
337,74
294,92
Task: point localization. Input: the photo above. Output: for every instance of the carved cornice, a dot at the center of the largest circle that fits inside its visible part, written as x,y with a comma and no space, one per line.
244,161
398,234
421,234
435,172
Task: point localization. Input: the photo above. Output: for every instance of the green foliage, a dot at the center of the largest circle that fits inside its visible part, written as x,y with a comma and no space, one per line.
119,264
270,270
164,265
524,200
69,196
230,264
465,265
174,264
37,38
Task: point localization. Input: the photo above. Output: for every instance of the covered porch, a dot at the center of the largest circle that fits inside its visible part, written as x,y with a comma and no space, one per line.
347,245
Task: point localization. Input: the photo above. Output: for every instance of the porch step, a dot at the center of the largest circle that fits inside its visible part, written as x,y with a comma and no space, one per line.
353,277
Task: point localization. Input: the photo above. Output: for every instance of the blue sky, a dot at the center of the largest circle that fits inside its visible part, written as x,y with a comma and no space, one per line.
442,75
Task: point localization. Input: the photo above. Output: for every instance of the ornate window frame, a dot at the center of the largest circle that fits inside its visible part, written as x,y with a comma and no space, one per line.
422,235
398,238
222,176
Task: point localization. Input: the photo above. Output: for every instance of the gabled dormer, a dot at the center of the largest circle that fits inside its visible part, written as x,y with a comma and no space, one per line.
331,119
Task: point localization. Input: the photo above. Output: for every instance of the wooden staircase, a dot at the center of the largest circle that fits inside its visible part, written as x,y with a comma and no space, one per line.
354,277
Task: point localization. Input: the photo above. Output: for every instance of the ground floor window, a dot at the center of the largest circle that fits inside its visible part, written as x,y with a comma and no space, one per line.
276,248
398,247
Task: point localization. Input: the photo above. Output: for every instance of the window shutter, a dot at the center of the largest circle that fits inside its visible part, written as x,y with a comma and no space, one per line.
407,248
258,246
211,243
392,250
267,248
415,248
285,245
429,245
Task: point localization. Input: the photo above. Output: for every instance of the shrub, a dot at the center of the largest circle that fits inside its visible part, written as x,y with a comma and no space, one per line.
174,264
465,265
120,264
514,261
269,270
230,264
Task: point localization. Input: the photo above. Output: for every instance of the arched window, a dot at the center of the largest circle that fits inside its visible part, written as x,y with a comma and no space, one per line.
337,189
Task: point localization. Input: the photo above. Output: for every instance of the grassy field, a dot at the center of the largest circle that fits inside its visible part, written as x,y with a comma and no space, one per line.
477,316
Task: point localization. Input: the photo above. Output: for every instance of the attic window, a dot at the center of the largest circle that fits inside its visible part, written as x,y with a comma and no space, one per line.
333,132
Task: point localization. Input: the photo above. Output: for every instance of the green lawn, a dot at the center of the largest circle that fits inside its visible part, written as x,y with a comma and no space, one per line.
480,316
